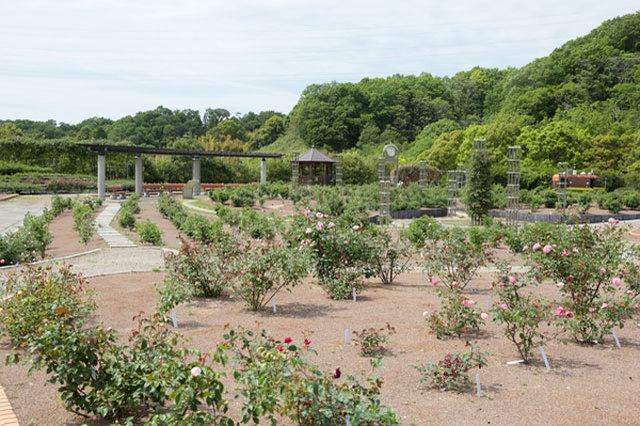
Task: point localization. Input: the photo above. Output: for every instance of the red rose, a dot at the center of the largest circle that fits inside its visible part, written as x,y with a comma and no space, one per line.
337,373
287,340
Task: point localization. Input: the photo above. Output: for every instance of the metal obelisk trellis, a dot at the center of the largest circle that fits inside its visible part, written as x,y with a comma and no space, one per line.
479,149
385,194
295,173
339,170
563,176
513,184
452,191
423,174
462,176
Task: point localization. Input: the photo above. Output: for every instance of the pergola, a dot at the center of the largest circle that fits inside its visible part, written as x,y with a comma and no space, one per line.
138,151
308,165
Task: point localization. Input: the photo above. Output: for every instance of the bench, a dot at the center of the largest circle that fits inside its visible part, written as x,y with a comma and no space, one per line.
147,189
116,192
174,188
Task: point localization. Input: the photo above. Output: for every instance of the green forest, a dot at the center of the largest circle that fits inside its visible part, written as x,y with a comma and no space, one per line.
580,104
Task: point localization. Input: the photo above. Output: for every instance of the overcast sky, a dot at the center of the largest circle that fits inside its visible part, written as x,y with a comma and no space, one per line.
70,60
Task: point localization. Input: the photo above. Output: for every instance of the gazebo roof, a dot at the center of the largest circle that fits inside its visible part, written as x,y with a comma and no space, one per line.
314,156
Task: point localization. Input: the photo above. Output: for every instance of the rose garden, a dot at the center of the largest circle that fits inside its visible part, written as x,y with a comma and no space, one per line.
285,304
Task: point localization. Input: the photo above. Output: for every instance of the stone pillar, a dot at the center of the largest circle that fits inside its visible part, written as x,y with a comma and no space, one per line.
138,175
102,180
263,171
196,175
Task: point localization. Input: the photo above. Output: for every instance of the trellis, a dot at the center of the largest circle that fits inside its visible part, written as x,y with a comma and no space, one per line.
514,155
563,177
339,170
295,172
452,191
384,184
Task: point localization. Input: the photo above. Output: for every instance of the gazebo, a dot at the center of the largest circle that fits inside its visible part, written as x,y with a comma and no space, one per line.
314,168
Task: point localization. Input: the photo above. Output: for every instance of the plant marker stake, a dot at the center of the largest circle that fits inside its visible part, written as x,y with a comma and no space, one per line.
615,336
489,303
354,293
478,385
471,286
348,421
174,319
422,275
346,336
274,304
544,356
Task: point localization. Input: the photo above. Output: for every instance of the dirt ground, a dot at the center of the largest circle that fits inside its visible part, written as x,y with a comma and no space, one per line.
66,240
587,384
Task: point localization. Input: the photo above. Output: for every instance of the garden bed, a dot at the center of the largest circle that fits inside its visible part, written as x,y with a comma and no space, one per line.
587,384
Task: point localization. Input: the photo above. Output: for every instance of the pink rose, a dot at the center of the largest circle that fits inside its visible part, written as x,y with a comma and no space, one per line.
331,224
468,303
525,248
564,253
513,280
603,271
547,249
454,284
617,282
355,227
592,310
536,246
195,371
484,315
509,267
308,231
319,225
536,264
435,281
318,215
560,285
605,305
503,306
280,348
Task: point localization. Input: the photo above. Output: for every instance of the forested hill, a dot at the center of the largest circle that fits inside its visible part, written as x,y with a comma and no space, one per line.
579,104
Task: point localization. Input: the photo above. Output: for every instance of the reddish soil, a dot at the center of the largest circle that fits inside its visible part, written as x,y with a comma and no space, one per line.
66,241
588,384
149,211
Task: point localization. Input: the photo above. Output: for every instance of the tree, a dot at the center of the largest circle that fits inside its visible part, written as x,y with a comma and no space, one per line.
477,194
212,117
271,130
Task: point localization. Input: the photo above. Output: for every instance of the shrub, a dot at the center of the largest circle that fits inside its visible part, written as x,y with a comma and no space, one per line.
422,229
477,194
38,235
520,313
256,225
31,298
83,221
371,341
456,316
199,270
390,258
450,372
276,379
127,220
590,266
149,233
631,199
266,269
60,204
454,260
243,197
219,195
97,376
341,284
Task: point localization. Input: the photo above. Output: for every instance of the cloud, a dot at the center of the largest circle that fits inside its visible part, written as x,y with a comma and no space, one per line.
72,59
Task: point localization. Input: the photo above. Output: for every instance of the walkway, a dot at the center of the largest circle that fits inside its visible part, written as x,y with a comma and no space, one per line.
13,211
109,234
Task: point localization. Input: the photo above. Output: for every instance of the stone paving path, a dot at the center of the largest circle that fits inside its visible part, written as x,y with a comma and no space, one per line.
107,232
12,211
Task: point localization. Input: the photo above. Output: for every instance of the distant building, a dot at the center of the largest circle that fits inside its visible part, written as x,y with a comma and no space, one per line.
582,180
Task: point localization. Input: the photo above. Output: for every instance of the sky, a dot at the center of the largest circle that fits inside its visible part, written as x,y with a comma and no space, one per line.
71,60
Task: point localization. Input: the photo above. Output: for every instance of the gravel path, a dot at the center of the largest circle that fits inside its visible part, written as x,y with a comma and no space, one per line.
12,211
111,261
